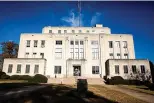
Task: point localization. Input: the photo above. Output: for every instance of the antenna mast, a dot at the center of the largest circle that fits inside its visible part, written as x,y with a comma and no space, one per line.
79,11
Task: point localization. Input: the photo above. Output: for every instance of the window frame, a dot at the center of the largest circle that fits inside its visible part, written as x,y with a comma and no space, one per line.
57,70
10,67
125,68
36,70
27,70
42,43
35,43
18,69
134,70
117,69
110,44
59,42
95,70
28,43
142,69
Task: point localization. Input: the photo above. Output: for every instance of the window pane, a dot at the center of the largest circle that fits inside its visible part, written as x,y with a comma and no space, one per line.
57,70
50,31
58,53
65,31
27,68
81,42
142,69
19,68
116,69
35,43
73,31
72,42
42,43
94,42
95,69
28,43
134,69
110,44
125,69
10,68
59,31
58,42
42,55
124,44
36,70
76,42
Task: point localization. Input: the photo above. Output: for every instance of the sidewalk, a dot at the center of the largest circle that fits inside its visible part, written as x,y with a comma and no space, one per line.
143,96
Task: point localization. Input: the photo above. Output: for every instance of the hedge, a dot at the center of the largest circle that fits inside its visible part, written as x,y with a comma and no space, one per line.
38,78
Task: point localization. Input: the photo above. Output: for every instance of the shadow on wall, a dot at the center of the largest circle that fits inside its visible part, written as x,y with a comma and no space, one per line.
55,94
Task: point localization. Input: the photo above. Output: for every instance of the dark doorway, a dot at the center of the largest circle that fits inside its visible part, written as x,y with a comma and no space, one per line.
77,70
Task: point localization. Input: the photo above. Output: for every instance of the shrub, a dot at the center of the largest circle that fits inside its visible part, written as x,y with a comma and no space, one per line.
25,77
15,77
2,73
38,78
4,76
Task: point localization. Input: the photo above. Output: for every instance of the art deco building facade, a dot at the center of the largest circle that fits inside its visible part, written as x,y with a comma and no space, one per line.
61,52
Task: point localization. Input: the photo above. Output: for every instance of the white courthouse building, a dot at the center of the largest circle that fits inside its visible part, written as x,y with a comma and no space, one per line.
63,52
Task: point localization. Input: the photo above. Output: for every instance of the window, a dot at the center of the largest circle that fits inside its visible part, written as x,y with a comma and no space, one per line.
58,53
50,31
125,69
95,69
76,42
94,42
81,42
27,69
81,53
34,55
76,55
116,69
59,31
58,42
80,31
72,52
126,56
93,30
118,44
10,68
35,43
73,31
42,43
95,54
65,31
87,31
111,55
118,55
57,70
26,55
142,69
36,69
71,42
124,44
134,69
42,55
110,44
19,68
28,43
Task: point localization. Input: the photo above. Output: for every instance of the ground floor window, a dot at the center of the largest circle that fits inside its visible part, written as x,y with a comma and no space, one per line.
10,68
95,69
36,69
116,69
134,69
125,69
27,69
57,70
142,69
19,68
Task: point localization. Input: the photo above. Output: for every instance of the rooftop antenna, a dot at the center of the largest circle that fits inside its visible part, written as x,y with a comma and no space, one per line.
79,11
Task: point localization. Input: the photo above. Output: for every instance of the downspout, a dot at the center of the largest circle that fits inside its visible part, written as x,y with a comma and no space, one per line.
100,56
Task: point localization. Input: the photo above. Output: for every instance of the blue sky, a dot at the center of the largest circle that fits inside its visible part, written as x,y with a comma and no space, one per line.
136,18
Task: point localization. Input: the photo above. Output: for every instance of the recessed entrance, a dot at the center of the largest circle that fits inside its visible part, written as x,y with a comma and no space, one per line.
77,70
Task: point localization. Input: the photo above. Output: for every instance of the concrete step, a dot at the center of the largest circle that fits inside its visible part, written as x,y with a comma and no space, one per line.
95,81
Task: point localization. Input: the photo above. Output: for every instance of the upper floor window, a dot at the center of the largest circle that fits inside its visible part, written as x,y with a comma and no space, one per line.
71,42
58,53
28,43
81,42
65,31
26,55
87,31
116,69
19,68
73,31
95,53
110,44
10,68
35,43
94,42
59,31
50,31
80,31
142,69
125,69
27,69
134,69
34,55
95,69
118,55
124,44
118,44
93,30
126,56
111,55
42,55
76,42
58,42
42,43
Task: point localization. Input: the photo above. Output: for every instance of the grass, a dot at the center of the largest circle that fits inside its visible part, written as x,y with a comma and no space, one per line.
141,88
12,81
114,95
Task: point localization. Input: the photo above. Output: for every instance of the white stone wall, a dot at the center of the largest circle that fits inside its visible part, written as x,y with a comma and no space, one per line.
129,63
24,62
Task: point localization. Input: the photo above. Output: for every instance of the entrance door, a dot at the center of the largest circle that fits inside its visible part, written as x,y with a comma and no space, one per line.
77,70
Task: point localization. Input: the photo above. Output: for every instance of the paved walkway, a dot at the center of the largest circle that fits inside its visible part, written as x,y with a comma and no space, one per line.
143,96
